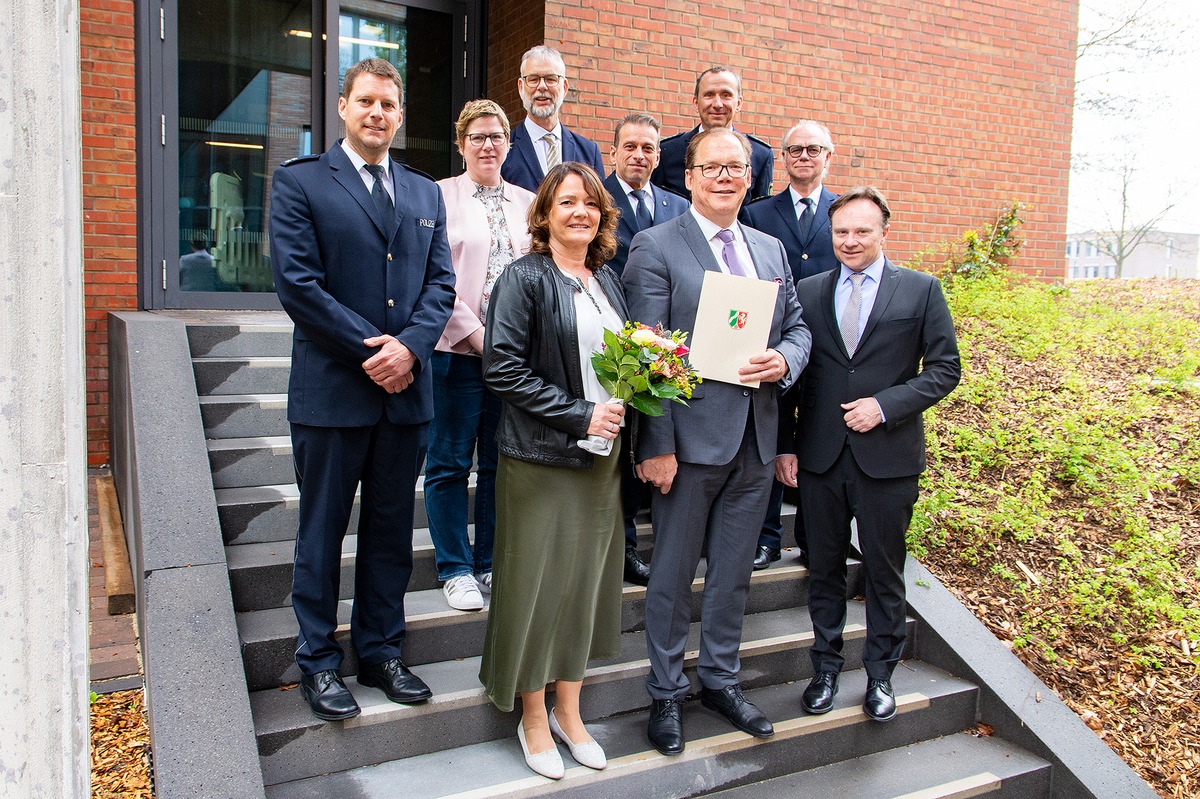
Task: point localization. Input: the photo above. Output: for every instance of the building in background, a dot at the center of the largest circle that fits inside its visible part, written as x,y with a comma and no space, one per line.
187,106
1160,254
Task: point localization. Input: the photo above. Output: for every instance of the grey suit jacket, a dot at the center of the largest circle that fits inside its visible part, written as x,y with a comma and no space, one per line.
907,360
662,280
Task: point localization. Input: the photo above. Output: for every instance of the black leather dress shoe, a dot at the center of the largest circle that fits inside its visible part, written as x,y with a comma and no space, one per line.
880,703
328,696
636,570
732,704
818,696
765,557
665,730
394,678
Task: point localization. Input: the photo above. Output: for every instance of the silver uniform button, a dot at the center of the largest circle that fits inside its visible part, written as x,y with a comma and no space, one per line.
390,256
391,303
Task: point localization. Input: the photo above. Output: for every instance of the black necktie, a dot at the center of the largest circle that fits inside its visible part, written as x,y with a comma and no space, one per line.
640,212
806,219
383,200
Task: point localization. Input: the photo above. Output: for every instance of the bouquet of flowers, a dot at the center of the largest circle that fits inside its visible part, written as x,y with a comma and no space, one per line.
641,365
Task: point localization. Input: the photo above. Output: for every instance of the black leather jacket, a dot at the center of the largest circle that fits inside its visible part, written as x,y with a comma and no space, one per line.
531,361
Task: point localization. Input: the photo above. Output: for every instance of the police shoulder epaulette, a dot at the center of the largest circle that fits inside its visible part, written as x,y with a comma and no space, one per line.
301,159
416,171
754,138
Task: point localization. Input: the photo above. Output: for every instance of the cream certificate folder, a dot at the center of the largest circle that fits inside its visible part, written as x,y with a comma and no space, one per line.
733,323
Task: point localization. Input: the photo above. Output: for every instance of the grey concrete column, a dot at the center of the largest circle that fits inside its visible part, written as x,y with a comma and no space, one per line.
43,470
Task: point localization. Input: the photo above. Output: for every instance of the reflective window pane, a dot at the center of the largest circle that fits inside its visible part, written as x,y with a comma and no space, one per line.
245,86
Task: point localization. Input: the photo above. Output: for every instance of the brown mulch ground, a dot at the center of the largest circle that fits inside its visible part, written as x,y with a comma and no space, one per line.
1147,712
120,747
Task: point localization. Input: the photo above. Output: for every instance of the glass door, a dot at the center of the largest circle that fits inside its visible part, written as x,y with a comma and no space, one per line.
255,83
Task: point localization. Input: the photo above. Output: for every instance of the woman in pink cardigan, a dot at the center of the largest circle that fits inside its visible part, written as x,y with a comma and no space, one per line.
487,228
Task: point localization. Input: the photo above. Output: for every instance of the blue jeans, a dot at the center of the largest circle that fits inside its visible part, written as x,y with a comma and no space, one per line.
465,416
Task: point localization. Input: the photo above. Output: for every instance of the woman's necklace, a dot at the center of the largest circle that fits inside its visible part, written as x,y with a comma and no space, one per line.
583,287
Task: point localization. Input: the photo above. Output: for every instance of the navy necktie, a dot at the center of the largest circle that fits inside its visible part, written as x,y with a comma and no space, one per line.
806,219
641,213
383,200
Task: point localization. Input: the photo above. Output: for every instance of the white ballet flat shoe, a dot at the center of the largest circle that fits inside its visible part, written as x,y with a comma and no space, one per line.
548,763
586,754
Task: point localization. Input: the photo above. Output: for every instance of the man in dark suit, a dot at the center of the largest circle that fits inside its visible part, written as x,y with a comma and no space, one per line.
362,266
634,155
883,351
712,459
543,142
718,98
798,217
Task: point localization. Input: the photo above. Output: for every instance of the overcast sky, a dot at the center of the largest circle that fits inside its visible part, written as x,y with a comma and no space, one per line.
1158,136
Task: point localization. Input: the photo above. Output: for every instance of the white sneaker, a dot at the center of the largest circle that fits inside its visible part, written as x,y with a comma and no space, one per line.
462,593
485,582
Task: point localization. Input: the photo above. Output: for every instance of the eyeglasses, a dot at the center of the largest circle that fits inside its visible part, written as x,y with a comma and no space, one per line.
715,170
497,139
551,81
797,150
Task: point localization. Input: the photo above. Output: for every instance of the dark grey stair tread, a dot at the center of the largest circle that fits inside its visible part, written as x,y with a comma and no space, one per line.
275,710
269,333
240,415
242,374
716,754
949,767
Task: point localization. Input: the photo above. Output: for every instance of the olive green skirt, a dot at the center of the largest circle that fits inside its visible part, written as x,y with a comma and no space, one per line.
556,575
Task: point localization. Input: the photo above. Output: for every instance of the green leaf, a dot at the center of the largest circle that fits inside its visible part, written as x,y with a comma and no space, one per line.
647,406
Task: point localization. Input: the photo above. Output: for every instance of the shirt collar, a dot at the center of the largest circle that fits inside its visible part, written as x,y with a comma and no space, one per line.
626,188
874,271
710,229
815,196
359,162
537,132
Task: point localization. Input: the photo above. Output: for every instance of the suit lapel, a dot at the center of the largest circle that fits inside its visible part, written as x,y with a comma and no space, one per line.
829,308
524,147
759,257
883,296
787,213
697,243
345,174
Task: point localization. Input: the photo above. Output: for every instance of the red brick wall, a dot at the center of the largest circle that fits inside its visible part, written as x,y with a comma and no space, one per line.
952,107
513,27
106,49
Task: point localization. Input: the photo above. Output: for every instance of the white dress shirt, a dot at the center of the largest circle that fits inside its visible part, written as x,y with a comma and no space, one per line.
629,190
798,206
870,287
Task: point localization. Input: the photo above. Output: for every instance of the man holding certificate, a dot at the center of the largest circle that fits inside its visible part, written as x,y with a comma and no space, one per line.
712,461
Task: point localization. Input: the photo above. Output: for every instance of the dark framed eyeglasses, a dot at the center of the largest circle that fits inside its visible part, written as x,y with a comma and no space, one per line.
497,139
797,150
715,170
551,81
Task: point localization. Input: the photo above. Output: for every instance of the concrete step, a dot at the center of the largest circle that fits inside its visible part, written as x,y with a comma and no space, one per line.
260,575
950,767
269,334
251,461
262,513
931,703
242,374
437,632
244,415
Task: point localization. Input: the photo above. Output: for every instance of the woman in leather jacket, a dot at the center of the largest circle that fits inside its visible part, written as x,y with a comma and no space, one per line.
559,548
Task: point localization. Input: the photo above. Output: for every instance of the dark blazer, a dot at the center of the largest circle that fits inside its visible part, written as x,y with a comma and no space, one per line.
670,169
907,360
667,206
662,282
776,216
521,168
343,274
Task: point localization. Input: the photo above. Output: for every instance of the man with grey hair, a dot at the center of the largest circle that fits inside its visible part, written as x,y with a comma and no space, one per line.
542,142
798,217
718,98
